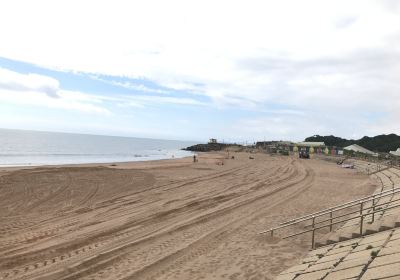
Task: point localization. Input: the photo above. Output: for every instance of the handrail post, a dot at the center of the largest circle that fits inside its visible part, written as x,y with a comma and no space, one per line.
373,209
361,217
313,233
331,219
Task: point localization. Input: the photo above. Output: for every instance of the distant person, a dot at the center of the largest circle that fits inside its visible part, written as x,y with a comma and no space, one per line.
194,158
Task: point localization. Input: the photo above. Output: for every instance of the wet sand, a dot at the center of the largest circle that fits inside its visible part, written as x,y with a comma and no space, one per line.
170,219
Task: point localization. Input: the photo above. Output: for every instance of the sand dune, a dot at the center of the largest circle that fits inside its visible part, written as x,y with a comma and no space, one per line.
163,219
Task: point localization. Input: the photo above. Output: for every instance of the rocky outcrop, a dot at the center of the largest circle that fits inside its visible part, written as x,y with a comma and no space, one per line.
207,147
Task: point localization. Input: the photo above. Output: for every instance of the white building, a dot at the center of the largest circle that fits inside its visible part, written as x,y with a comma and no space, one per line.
359,149
395,153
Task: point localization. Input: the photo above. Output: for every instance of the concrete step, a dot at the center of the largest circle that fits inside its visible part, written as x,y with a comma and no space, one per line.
389,222
343,234
339,236
371,228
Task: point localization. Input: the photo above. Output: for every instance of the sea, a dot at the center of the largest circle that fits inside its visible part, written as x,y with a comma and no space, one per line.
35,148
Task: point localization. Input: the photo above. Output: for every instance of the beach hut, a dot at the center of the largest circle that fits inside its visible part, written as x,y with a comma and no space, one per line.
311,144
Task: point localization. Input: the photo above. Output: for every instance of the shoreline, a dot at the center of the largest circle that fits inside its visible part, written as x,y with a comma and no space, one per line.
205,157
140,164
94,164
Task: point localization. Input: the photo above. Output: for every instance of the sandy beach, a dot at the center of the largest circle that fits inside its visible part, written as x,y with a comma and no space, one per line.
169,219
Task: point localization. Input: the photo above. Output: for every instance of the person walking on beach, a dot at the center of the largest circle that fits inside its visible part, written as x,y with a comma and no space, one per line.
194,158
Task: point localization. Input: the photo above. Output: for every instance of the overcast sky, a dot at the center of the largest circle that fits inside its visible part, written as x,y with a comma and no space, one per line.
233,70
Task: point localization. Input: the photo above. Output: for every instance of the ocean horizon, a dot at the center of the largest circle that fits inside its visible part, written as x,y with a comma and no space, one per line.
36,148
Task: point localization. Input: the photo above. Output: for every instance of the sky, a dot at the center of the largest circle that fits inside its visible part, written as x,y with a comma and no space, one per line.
192,70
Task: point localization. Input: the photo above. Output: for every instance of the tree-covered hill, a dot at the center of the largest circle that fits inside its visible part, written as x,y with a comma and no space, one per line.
380,143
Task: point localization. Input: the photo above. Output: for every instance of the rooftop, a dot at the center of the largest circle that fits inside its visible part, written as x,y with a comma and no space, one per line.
358,148
311,144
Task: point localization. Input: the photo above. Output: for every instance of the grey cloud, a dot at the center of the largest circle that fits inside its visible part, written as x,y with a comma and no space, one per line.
51,91
264,64
390,5
345,22
367,82
362,60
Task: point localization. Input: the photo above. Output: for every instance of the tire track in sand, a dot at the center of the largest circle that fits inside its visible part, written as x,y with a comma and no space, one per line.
63,258
205,223
213,239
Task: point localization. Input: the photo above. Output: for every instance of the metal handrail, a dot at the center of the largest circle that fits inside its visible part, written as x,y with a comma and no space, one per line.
361,202
364,209
333,218
341,206
379,170
353,201
389,177
361,216
337,208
